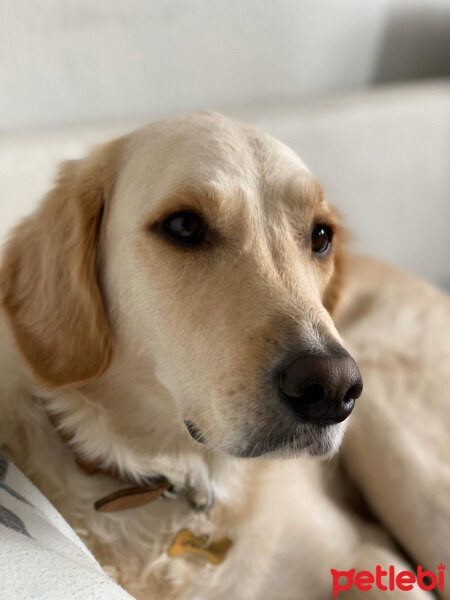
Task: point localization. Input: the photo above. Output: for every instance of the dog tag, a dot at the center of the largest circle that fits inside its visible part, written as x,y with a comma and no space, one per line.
185,542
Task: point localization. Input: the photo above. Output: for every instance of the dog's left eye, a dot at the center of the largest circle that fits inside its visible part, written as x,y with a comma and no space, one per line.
185,227
321,238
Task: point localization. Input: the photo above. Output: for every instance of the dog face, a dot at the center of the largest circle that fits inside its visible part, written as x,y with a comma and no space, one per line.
217,258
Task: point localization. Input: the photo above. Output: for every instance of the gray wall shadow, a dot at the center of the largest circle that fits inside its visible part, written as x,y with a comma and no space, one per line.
415,45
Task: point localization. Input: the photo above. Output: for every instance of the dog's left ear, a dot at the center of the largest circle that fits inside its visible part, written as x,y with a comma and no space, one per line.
334,288
48,279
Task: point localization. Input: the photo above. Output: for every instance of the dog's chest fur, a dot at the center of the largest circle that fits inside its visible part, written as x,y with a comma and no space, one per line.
133,545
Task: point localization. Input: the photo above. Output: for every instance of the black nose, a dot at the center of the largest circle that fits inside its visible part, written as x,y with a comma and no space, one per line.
321,389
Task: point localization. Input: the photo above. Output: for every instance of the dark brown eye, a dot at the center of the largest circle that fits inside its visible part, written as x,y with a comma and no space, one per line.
185,227
321,239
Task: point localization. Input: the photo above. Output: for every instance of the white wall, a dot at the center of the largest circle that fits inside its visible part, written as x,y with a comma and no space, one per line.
76,60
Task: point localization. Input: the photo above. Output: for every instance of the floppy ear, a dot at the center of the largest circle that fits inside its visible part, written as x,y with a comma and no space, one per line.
334,288
48,277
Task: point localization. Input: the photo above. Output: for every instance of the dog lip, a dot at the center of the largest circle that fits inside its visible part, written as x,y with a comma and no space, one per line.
326,422
265,445
195,432
261,448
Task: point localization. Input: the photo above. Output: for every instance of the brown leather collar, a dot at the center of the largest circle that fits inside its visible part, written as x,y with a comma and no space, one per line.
185,542
123,499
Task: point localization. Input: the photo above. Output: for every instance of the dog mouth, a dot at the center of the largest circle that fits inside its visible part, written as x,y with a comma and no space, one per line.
195,432
275,435
308,439
303,439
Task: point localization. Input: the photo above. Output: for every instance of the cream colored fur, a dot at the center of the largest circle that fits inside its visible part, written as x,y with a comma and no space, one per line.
165,336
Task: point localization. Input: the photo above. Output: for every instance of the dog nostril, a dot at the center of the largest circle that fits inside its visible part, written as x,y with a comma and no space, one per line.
349,396
353,393
321,388
313,393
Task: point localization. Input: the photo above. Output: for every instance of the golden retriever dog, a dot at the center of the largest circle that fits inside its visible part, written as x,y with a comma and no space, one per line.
171,374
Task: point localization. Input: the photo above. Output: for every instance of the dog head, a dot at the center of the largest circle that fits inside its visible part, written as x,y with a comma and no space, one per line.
206,251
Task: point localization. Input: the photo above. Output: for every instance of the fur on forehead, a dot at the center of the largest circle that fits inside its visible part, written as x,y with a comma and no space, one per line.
211,148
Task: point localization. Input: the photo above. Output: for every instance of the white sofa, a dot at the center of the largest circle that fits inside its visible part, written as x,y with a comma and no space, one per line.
383,156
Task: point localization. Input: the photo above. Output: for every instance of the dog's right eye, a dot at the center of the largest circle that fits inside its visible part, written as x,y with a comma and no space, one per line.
185,227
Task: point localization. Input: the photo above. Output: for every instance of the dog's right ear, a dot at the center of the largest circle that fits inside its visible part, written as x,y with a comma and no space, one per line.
48,279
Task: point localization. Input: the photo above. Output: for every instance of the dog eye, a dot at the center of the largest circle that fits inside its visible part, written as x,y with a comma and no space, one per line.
321,239
185,227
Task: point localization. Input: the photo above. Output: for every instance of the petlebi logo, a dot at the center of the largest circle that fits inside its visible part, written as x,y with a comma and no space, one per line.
388,580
